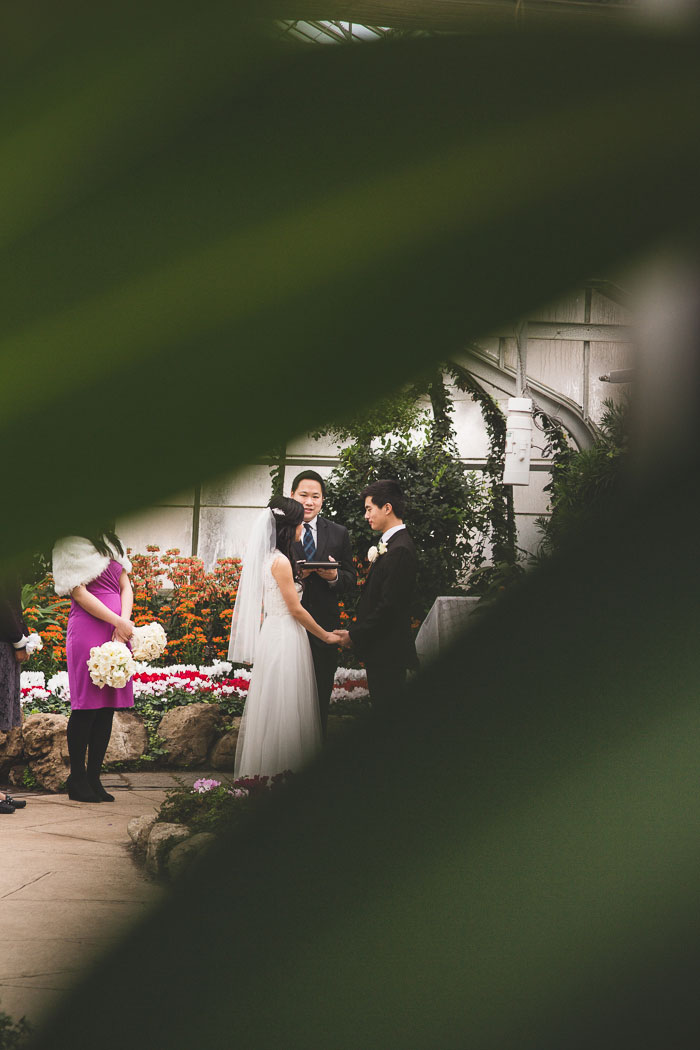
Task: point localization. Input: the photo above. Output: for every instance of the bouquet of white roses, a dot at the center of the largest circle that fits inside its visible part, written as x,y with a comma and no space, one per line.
111,664
34,643
148,642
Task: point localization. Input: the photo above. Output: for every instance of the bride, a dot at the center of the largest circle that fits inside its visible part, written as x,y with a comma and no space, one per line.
281,726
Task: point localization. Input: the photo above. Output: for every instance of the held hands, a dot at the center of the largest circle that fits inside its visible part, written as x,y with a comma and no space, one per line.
344,639
123,630
332,638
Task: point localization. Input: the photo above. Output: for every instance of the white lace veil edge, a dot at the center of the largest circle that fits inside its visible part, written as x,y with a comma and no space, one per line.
248,610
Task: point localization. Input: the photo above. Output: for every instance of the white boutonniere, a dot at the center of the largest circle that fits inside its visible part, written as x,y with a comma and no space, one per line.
374,552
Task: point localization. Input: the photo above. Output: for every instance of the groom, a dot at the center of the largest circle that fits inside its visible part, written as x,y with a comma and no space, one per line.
382,634
322,540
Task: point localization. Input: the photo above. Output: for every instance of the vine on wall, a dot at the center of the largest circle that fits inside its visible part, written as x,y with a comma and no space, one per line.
501,514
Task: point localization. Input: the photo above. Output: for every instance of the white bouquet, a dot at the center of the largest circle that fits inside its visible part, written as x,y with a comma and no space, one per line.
34,643
111,664
148,642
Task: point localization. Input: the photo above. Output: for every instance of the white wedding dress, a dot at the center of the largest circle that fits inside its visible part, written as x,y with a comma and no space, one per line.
281,726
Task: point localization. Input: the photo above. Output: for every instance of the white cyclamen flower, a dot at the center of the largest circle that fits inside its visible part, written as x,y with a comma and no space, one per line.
32,679
34,643
58,685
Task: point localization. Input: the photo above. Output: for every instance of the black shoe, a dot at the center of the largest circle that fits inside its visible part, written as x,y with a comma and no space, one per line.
18,803
79,790
6,807
102,795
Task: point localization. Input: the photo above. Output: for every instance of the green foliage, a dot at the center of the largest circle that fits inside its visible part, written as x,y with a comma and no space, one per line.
583,481
14,1035
29,781
43,614
219,808
398,414
50,705
214,810
278,455
356,709
451,512
501,510
446,509
491,581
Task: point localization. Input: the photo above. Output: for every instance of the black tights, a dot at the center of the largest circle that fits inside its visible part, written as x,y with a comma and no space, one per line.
89,733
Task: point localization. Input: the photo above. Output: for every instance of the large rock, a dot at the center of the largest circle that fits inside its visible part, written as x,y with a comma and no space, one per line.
160,841
16,776
188,733
46,749
223,753
11,749
139,828
129,739
182,854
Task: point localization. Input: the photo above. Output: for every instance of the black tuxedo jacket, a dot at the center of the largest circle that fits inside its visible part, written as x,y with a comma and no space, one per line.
320,597
382,633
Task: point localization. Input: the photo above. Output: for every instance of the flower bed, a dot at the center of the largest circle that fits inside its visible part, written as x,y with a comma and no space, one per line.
213,805
184,717
183,683
193,606
158,690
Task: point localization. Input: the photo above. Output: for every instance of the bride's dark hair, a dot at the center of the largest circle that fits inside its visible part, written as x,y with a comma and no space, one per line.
105,539
288,514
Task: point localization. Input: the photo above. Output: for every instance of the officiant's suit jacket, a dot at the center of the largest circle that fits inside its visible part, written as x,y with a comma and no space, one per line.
382,634
320,597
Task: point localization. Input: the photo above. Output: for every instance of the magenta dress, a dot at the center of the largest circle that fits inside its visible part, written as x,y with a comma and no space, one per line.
83,632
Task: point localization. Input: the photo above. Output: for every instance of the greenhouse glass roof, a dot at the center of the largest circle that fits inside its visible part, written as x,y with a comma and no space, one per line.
331,32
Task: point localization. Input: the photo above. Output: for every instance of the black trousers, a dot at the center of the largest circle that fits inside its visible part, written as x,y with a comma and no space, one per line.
325,659
384,681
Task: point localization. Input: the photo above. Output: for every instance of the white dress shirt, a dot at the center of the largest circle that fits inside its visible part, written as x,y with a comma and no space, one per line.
386,536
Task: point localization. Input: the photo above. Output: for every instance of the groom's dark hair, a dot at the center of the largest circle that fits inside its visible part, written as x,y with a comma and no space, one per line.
386,491
311,475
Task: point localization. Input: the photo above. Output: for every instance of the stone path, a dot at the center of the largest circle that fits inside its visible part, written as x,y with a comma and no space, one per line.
69,885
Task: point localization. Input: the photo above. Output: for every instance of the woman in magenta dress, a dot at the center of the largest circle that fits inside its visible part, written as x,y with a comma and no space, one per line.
95,572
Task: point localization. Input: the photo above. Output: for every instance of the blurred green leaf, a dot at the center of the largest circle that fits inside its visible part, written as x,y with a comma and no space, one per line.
199,222
180,273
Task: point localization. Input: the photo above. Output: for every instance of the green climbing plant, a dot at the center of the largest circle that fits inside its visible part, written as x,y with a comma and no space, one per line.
583,481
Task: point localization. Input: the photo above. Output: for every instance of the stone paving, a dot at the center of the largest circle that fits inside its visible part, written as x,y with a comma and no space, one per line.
69,884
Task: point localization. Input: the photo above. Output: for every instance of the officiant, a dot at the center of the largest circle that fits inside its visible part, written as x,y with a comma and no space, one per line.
322,541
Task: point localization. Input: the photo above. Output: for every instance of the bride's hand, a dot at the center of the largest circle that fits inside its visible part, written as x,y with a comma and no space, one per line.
123,630
332,638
